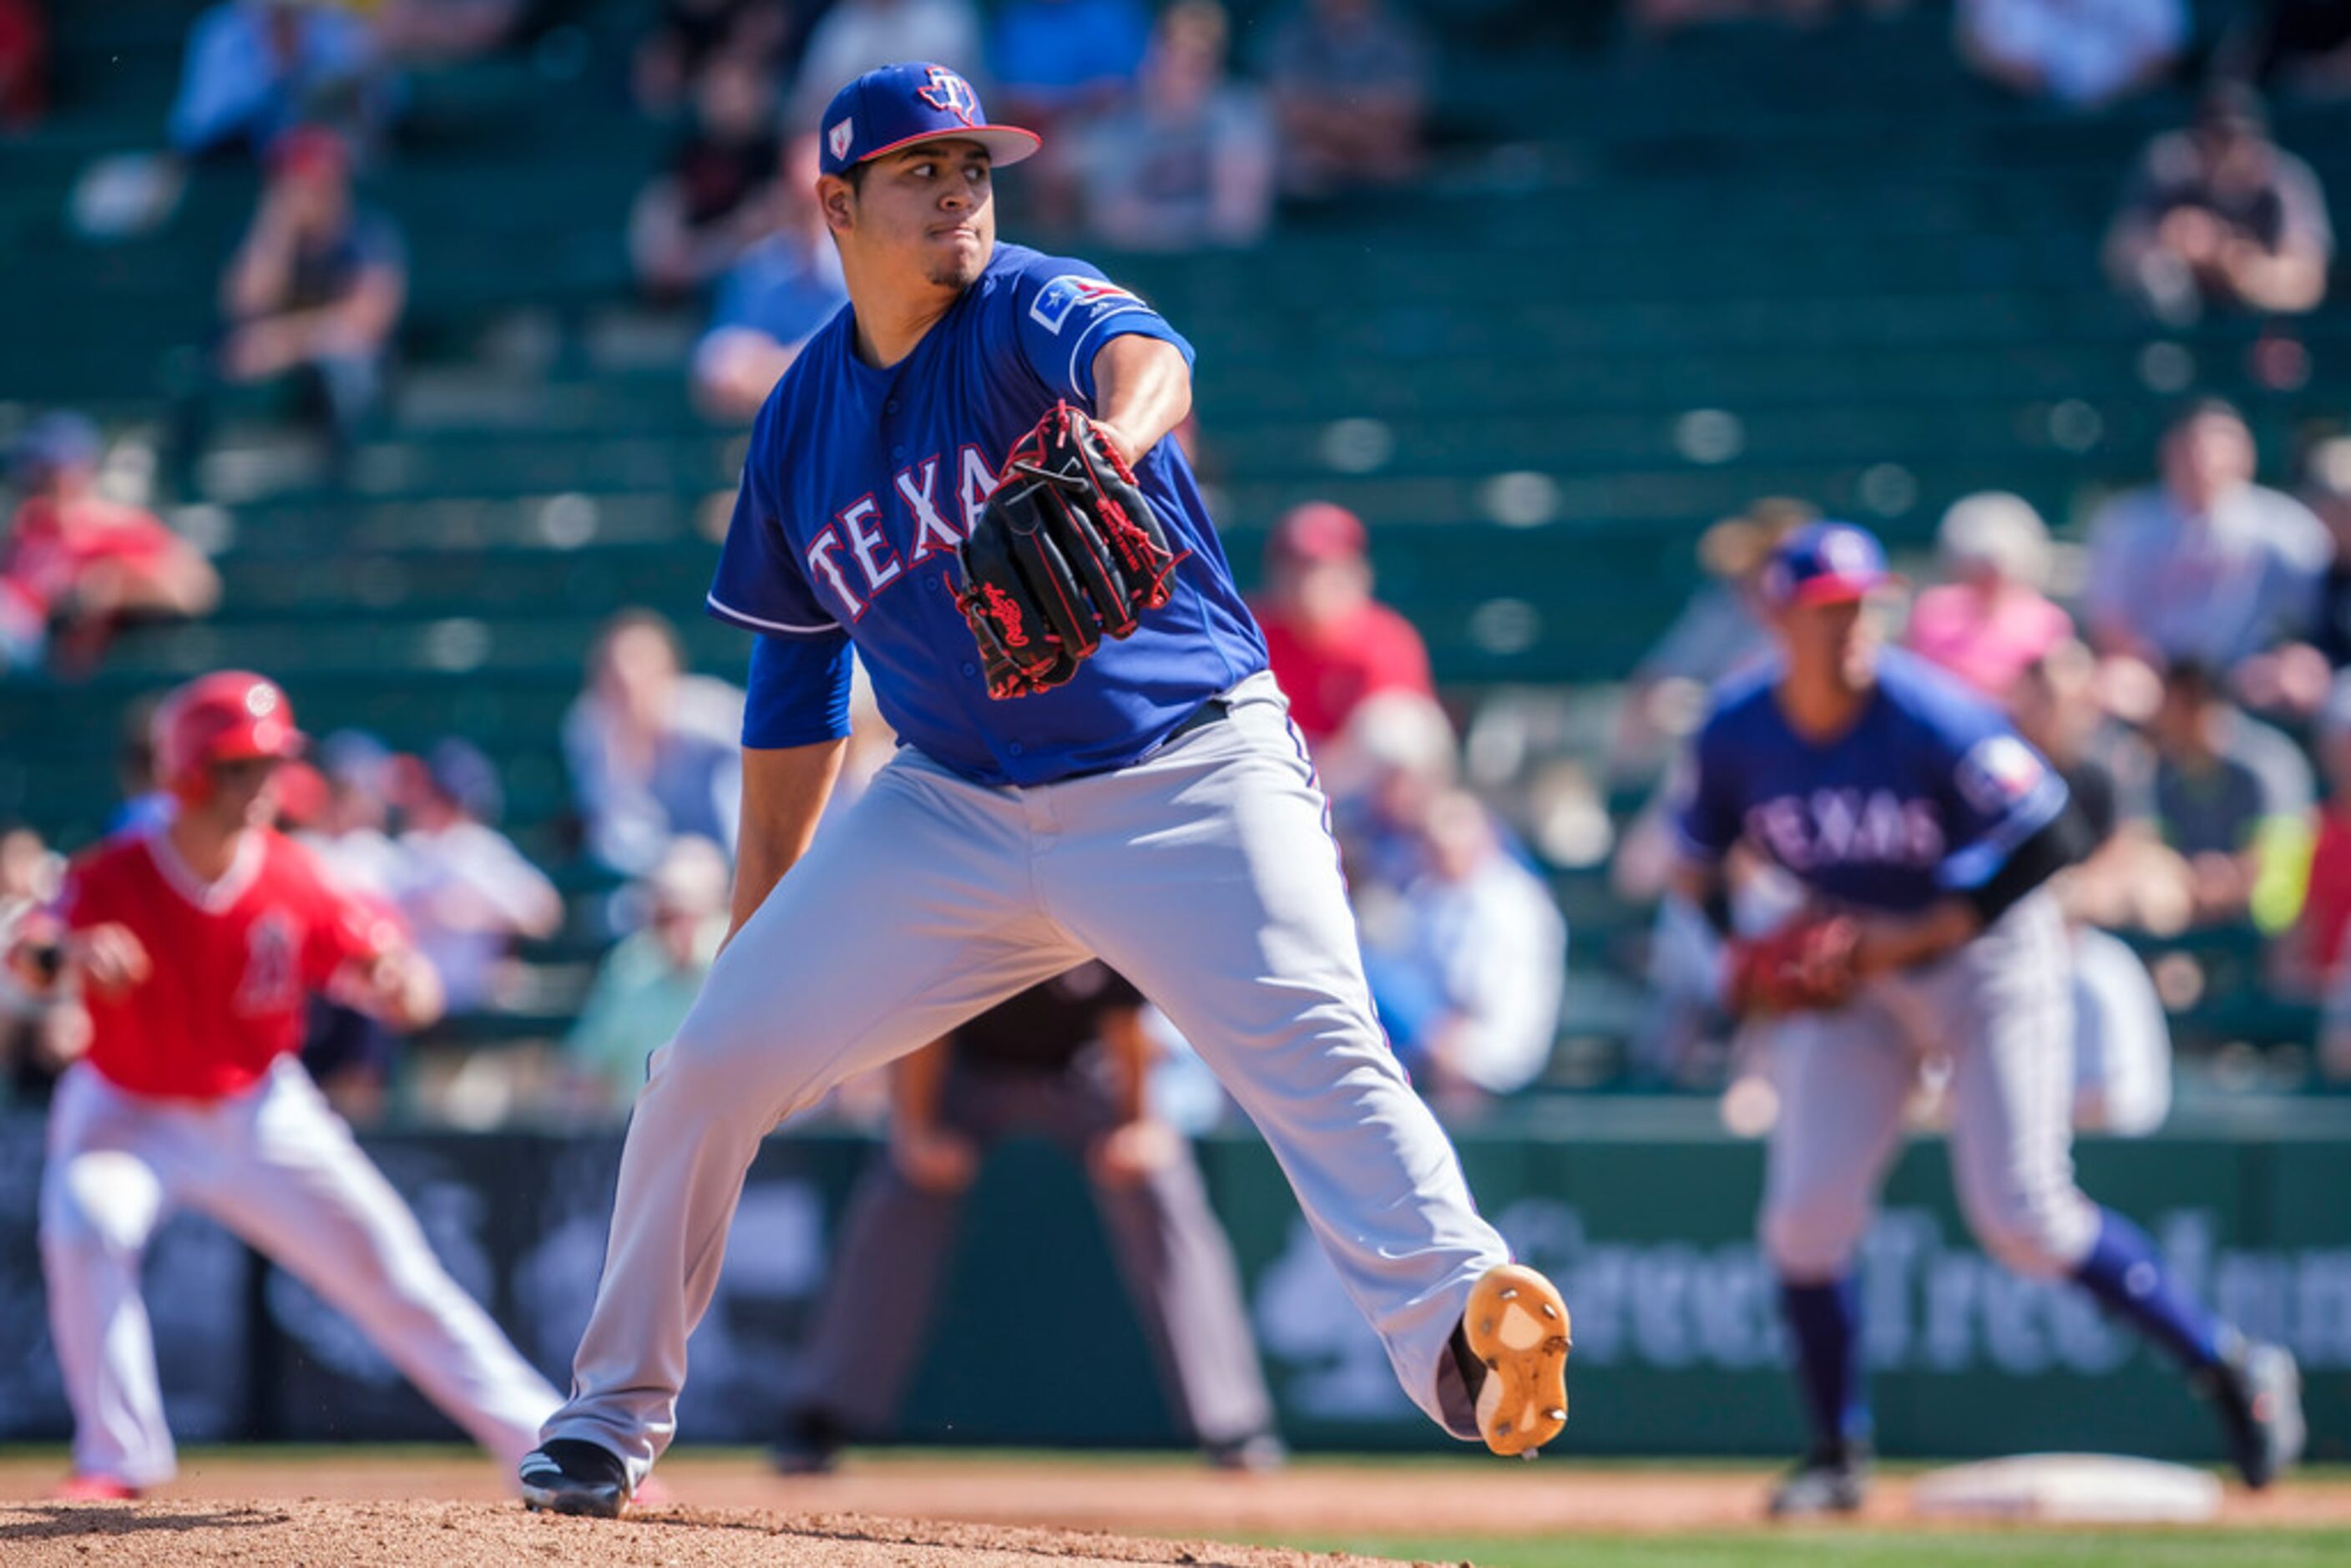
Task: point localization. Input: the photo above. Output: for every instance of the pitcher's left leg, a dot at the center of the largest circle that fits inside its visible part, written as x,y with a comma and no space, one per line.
1207,876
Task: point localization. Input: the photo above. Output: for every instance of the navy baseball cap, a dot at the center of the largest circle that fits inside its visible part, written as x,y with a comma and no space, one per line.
1824,563
900,105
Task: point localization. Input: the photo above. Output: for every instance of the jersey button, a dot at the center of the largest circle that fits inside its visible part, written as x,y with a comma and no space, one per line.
1015,749
971,669
891,406
898,452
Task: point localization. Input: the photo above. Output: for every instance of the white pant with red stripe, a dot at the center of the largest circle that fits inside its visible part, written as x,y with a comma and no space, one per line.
280,1169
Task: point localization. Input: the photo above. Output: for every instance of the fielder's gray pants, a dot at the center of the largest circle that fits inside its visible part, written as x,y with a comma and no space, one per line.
1204,873
897,1238
2001,1009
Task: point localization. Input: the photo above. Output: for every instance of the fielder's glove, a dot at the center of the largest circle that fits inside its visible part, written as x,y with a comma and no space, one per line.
1065,552
1805,963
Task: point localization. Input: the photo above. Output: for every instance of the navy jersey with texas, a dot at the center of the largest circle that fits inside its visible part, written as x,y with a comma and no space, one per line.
860,481
1927,795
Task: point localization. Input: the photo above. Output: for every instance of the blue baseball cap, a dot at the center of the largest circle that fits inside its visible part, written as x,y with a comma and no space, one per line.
1824,563
900,105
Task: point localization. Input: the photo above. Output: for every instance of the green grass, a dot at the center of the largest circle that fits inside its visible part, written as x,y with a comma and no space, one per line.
1873,1549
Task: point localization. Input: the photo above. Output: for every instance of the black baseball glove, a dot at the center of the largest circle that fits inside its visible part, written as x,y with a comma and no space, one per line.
1065,552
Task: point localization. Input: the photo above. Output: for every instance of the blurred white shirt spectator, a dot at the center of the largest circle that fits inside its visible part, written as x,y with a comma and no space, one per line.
1470,965
858,35
2206,566
466,890
2079,52
348,835
654,752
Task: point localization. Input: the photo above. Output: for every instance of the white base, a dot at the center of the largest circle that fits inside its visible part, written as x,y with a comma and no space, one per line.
2070,1488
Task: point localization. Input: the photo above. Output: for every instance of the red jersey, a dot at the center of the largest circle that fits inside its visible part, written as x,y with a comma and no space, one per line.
2327,906
1376,649
233,961
53,545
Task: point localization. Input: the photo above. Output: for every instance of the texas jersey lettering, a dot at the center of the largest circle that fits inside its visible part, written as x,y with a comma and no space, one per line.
1925,796
854,499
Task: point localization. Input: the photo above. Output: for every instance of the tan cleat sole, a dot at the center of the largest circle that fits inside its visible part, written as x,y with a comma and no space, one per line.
1517,1325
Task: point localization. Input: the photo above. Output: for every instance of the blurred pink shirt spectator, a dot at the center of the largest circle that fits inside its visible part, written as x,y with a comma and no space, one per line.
1991,622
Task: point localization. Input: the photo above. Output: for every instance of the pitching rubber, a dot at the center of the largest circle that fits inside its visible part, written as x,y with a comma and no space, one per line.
1518,1325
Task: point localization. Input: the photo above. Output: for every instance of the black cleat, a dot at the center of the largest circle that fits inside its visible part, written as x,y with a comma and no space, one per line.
1832,1479
2258,1390
566,1474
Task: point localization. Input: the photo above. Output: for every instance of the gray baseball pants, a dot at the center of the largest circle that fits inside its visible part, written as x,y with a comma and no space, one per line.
1204,873
2001,1009
897,1239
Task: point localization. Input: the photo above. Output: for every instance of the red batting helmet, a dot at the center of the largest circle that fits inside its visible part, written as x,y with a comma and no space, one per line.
225,717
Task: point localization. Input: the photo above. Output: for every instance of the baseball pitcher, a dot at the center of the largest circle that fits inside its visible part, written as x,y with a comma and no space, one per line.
968,477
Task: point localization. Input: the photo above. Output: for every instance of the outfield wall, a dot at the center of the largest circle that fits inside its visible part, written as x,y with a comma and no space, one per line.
1643,1215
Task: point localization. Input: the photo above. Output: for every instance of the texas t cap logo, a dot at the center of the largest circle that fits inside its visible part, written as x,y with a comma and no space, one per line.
950,93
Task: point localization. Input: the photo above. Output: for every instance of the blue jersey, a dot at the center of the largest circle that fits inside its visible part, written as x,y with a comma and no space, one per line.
860,481
1925,796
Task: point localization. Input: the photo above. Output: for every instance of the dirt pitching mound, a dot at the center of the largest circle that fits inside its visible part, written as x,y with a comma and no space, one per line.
315,1534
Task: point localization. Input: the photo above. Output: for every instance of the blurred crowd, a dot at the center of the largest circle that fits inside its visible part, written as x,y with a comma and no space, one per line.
1157,138
2179,657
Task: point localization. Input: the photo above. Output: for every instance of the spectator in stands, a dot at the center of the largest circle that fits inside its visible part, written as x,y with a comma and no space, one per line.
2220,216
2316,960
465,890
856,36
1060,65
2327,490
1350,85
691,33
23,64
1383,771
1720,630
1989,621
2081,53
645,984
257,69
2233,797
346,1052
349,829
2127,880
772,299
143,803
694,219
317,289
654,752
38,1035
75,566
2205,566
1331,643
1469,965
1189,163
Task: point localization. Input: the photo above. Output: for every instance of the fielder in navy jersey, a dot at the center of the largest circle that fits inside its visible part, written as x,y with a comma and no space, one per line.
1905,802
1156,812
